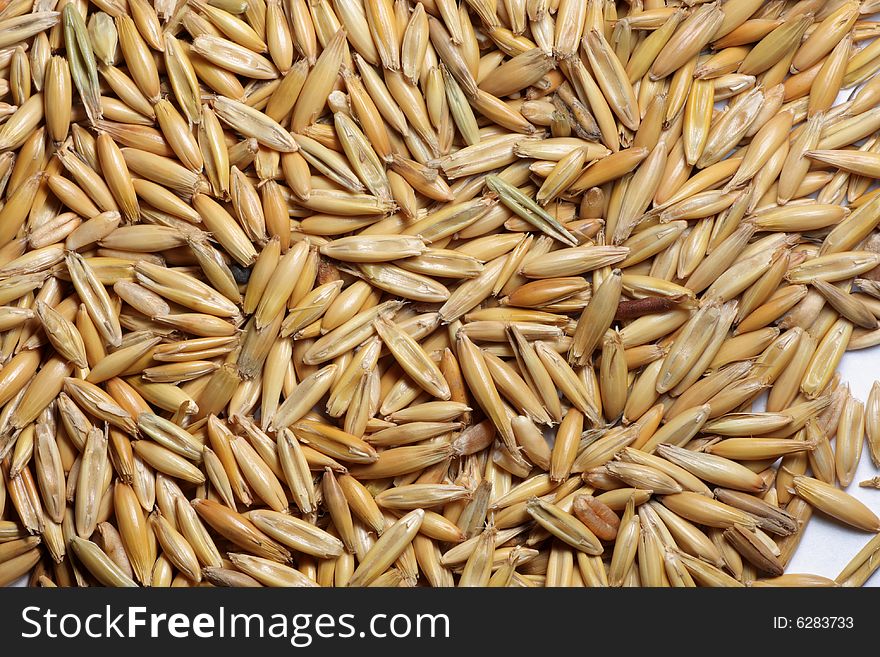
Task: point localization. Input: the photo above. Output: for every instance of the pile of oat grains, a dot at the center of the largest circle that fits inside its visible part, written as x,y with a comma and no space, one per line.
396,293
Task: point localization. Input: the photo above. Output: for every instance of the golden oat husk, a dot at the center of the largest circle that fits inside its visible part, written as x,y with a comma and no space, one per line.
768,516
413,359
858,162
691,36
829,78
850,231
269,572
644,477
296,533
515,389
387,548
613,80
168,434
81,58
684,478
564,526
89,488
16,209
697,119
121,360
62,334
795,580
478,568
318,83
706,511
688,536
776,46
706,574
304,396
836,503
184,289
239,530
730,127
834,26
25,499
740,424
340,513
44,386
688,347
847,305
713,469
50,472
872,429
567,381
756,449
197,535
175,547
99,564
16,567
334,442
646,51
826,357
182,77
862,339
680,429
178,136
862,99
408,497
862,561
478,377
362,503
253,123
849,441
12,549
596,318
221,466
258,474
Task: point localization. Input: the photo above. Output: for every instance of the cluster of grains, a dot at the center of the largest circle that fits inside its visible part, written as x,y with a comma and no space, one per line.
394,293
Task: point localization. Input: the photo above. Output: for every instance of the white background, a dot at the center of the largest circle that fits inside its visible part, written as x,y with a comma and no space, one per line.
827,545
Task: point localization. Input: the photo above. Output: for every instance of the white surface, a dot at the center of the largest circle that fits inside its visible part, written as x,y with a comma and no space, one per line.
827,545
